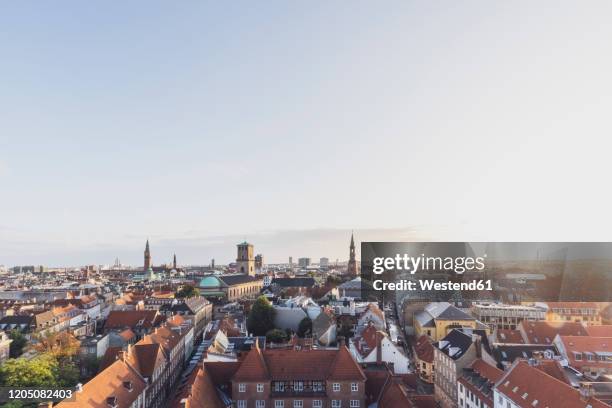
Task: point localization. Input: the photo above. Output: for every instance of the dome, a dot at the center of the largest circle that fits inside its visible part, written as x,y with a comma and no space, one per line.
209,282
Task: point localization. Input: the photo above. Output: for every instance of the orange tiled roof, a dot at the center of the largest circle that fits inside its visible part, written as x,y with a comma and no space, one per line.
200,391
510,336
600,331
113,382
120,319
554,369
395,395
487,371
366,342
289,364
145,358
541,332
525,384
586,346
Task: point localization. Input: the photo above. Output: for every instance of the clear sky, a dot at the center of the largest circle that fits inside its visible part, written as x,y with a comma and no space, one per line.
198,124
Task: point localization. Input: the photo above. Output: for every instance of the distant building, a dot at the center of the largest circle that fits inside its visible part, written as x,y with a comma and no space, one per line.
503,316
230,287
245,261
259,263
324,262
304,262
439,318
352,263
581,312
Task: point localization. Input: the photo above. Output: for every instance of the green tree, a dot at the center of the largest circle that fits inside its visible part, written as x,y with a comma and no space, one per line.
261,317
19,342
187,291
40,371
276,336
305,327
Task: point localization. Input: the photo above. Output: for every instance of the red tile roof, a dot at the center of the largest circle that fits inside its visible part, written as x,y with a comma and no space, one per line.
199,392
120,319
554,369
510,336
493,374
112,382
541,332
586,346
424,349
600,331
145,358
395,395
289,364
525,384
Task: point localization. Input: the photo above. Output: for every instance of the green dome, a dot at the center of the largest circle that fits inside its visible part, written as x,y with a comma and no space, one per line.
210,282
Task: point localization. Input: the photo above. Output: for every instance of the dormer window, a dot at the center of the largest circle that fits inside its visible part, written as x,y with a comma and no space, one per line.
128,385
112,402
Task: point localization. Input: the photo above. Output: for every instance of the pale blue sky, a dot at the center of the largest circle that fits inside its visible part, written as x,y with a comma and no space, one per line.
191,122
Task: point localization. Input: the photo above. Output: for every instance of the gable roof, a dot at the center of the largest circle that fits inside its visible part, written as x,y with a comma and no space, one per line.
600,331
111,382
253,367
237,279
134,319
200,391
525,385
145,358
542,332
290,364
424,349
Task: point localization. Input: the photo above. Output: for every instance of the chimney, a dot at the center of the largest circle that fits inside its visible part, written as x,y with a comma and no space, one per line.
478,346
379,337
586,391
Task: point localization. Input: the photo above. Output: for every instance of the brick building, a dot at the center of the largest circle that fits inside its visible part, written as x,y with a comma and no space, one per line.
298,379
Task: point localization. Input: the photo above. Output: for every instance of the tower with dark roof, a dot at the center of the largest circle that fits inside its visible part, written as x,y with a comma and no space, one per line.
352,263
147,257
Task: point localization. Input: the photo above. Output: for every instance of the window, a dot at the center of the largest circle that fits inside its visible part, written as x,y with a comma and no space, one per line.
279,386
354,403
317,386
260,387
317,403
336,387
336,403
298,403
241,403
298,386
241,387
354,387
279,404
260,403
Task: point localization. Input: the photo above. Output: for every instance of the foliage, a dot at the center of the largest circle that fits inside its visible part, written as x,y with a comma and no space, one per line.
187,291
261,317
305,327
19,342
62,346
276,336
40,371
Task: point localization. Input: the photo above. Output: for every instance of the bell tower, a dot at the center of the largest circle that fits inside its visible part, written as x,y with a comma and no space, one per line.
245,261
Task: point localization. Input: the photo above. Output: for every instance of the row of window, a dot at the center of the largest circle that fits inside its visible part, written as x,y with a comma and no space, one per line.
298,404
299,386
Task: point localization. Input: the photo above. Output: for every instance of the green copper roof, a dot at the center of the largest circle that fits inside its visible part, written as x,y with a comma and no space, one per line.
210,282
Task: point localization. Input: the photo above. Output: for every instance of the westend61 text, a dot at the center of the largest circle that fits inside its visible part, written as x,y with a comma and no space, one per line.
428,284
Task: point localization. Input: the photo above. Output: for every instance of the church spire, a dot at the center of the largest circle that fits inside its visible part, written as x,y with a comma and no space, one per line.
174,262
352,263
147,257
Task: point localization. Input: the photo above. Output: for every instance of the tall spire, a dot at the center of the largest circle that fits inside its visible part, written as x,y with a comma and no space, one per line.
174,262
352,263
147,257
